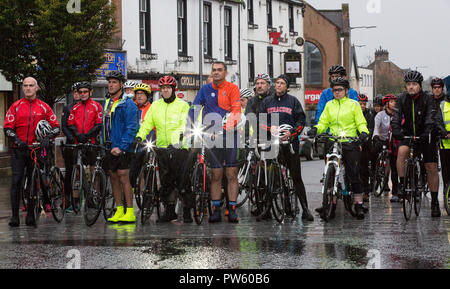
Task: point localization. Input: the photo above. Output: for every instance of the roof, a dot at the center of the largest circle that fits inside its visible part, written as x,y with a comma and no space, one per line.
334,16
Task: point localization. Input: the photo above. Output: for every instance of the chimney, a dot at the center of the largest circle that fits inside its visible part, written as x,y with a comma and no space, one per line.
381,55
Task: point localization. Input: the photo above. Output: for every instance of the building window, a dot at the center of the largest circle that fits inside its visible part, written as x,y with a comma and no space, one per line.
228,33
207,30
182,28
269,13
270,61
291,18
250,12
251,63
144,25
313,64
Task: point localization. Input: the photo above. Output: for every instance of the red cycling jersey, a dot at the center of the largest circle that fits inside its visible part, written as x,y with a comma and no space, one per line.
24,115
85,115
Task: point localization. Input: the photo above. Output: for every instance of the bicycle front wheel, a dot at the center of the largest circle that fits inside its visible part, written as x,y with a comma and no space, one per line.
420,189
380,177
447,199
139,186
57,195
278,191
108,202
409,187
77,188
198,189
34,200
148,198
94,198
328,193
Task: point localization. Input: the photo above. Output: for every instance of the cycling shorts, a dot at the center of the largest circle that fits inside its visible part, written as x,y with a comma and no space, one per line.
429,150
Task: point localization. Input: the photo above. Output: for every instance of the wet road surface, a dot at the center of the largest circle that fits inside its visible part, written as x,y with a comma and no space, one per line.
383,240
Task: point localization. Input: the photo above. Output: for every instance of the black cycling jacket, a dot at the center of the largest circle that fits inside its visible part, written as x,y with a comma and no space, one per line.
417,123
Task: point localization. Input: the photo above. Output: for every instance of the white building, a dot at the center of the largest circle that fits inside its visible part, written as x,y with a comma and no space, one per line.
366,82
162,37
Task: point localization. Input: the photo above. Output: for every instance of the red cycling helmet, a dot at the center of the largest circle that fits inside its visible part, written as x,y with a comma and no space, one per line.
363,98
168,80
388,97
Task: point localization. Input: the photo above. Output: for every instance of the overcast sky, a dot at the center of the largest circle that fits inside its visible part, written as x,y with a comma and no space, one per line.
415,32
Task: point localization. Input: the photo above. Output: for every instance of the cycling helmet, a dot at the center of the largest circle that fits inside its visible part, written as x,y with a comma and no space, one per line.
75,86
340,81
84,84
239,125
246,93
265,77
338,69
378,101
283,128
144,87
437,81
130,84
116,75
167,80
388,98
362,97
413,76
43,129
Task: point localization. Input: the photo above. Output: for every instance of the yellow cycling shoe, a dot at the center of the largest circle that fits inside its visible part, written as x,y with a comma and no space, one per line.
129,217
119,214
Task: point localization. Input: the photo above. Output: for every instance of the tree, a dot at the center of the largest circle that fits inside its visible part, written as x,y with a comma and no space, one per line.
40,38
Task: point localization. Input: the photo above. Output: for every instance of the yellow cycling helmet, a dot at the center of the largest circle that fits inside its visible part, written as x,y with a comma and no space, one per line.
142,86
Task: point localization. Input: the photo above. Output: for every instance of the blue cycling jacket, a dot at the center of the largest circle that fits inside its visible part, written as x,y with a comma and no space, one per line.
125,124
326,96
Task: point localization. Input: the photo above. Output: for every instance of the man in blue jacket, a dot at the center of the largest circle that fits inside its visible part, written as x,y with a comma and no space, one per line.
327,95
122,117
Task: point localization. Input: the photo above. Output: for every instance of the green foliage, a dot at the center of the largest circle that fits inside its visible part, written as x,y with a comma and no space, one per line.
42,39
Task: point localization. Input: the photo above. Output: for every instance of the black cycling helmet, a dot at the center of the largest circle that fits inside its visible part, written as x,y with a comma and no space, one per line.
437,81
84,84
340,81
116,75
337,69
378,101
413,76
75,86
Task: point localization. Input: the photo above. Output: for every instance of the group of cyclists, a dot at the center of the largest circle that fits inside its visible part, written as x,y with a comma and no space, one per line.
129,119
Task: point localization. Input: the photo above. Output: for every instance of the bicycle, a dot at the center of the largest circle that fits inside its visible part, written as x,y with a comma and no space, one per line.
381,171
447,199
415,180
334,186
147,186
278,195
79,178
46,185
95,197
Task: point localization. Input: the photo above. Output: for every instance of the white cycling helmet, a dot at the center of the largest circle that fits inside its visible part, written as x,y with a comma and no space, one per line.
282,128
239,125
245,92
43,129
130,84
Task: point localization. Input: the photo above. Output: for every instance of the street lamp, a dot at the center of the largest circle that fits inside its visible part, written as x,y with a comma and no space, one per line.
417,67
362,27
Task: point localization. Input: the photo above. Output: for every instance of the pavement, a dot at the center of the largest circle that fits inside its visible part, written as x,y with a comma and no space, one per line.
382,240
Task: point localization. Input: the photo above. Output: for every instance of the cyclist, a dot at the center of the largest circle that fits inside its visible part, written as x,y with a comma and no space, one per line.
85,122
444,124
128,88
344,116
168,115
290,112
366,152
142,94
120,125
336,71
220,98
22,126
70,139
263,85
417,108
437,84
245,95
378,104
383,133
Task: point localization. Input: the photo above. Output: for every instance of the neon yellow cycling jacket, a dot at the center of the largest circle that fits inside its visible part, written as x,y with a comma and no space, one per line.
342,116
169,120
